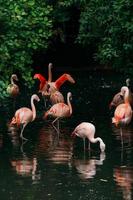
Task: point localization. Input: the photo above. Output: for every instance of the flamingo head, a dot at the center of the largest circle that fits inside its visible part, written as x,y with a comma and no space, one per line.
128,82
102,146
14,77
123,90
69,95
50,65
34,96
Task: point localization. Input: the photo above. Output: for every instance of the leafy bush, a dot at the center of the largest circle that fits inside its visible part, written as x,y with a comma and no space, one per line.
25,26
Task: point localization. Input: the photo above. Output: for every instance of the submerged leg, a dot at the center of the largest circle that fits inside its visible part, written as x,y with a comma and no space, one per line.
84,143
121,138
21,134
55,126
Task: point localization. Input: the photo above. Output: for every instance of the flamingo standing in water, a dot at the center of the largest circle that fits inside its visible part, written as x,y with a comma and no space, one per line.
60,110
25,115
13,88
123,112
87,130
51,89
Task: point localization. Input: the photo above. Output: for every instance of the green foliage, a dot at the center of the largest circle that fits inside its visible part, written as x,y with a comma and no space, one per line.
108,27
25,26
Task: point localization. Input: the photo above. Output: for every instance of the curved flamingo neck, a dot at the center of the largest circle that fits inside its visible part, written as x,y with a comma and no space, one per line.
50,72
95,140
33,108
69,104
12,81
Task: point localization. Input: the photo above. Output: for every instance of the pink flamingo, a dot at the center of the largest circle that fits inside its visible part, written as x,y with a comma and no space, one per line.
87,130
25,115
60,110
123,112
12,88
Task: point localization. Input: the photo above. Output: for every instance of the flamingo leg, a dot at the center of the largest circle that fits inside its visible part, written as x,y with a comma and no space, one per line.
57,130
58,125
89,146
21,134
121,138
84,143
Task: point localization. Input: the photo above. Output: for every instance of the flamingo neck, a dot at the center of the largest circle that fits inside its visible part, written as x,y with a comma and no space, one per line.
95,140
69,104
12,81
33,109
50,72
126,96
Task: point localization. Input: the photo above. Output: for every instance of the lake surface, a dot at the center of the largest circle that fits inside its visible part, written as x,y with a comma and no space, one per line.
51,169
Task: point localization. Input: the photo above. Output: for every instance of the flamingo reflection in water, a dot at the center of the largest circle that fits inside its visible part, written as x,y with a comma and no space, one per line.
87,167
123,176
54,150
25,166
22,164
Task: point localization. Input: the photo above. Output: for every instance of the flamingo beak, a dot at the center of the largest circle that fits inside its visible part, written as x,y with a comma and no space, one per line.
73,135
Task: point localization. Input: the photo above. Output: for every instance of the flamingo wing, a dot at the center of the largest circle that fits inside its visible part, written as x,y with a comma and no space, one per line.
65,77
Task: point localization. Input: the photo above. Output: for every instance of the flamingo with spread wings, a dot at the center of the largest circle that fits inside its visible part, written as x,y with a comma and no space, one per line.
50,88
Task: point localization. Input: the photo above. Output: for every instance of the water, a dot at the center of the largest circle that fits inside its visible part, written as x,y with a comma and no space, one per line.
47,168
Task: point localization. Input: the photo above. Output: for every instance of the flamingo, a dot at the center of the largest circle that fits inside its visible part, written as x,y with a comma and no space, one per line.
25,115
87,130
51,89
12,88
60,110
119,97
123,112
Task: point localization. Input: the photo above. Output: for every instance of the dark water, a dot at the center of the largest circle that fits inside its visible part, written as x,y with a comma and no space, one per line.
51,169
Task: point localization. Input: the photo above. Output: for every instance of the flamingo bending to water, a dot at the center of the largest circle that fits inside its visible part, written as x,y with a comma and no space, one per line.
13,88
60,110
87,130
25,115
